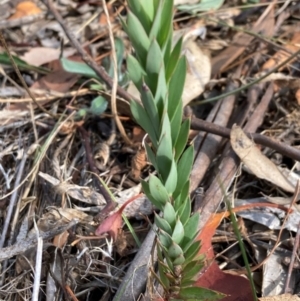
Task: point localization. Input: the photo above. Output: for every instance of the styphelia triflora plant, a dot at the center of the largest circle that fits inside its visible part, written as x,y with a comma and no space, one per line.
158,71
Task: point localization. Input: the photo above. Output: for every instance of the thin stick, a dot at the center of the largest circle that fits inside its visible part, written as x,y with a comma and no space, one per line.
287,150
38,266
115,79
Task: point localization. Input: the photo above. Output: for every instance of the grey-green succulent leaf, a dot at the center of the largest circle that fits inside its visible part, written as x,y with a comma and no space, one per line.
171,181
163,160
175,250
146,189
192,251
162,224
169,214
158,190
142,118
163,277
98,105
138,36
191,229
150,107
173,60
184,167
151,156
185,211
135,71
191,270
179,260
182,139
155,60
200,293
175,121
166,28
178,232
165,239
138,10
176,86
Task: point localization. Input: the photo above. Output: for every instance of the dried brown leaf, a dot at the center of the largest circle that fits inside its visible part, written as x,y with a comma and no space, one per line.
258,163
138,162
25,8
282,55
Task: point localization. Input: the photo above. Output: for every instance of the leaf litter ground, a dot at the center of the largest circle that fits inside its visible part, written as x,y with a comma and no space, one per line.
57,163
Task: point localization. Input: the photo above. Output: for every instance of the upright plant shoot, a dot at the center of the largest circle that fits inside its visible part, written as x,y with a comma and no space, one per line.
158,71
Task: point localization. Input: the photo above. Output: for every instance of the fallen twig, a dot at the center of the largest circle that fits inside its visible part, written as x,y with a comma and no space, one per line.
22,246
287,150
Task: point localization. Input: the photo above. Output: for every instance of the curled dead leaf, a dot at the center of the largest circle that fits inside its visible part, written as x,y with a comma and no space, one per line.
102,153
138,162
257,163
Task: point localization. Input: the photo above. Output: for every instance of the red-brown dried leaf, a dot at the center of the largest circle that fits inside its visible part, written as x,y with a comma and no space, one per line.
113,223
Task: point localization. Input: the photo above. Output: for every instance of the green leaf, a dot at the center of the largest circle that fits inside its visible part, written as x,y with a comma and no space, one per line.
165,130
162,224
165,239
169,214
191,228
175,251
169,262
154,60
160,253
156,22
162,276
182,197
187,283
176,86
98,105
164,154
185,211
173,60
142,118
135,6
160,95
192,251
4,59
182,139
146,190
81,114
150,108
78,68
184,167
138,36
179,260
151,156
139,11
158,190
166,28
96,87
199,293
149,9
176,123
178,232
191,270
135,71
171,181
